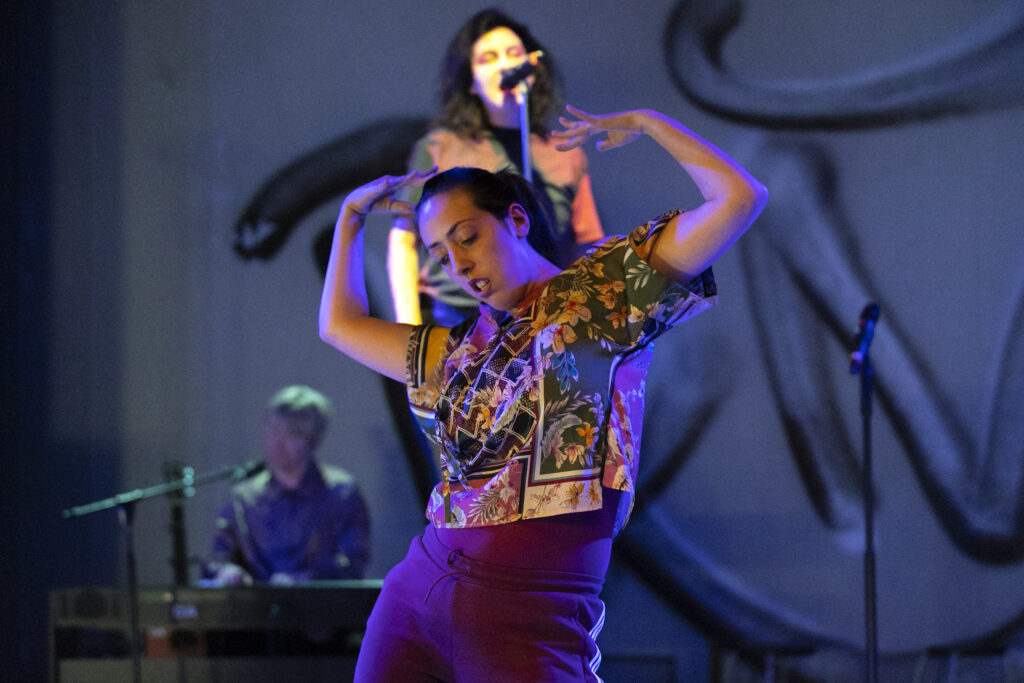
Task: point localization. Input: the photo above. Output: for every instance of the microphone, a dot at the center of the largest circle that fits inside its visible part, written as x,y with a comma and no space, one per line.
865,333
510,78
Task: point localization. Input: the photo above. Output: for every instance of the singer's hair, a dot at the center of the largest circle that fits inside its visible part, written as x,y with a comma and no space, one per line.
299,402
494,193
462,111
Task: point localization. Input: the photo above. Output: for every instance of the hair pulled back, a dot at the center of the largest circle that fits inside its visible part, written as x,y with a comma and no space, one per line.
495,193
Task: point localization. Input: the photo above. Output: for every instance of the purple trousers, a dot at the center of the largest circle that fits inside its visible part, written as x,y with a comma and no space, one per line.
442,616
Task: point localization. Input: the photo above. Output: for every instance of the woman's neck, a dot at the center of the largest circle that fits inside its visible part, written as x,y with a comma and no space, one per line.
505,116
531,290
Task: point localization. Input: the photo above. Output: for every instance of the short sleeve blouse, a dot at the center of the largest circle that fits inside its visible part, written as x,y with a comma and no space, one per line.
535,410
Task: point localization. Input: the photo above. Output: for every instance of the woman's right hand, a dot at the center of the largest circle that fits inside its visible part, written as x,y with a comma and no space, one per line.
378,196
345,320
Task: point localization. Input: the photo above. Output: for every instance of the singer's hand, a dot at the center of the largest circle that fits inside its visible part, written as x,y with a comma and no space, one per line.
619,129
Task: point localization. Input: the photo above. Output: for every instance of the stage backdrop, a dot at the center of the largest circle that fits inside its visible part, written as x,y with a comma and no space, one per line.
195,152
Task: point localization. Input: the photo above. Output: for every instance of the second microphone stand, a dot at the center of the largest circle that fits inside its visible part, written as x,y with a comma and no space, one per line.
860,363
125,504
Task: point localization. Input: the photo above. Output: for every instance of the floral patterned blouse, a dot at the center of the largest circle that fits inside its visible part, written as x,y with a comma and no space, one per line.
535,410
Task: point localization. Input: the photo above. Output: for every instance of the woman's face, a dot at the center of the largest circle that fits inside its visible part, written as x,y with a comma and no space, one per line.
494,52
485,255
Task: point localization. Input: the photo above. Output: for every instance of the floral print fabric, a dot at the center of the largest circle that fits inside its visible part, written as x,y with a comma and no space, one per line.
535,410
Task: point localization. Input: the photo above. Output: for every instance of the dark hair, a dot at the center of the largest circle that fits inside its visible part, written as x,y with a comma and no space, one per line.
462,111
494,193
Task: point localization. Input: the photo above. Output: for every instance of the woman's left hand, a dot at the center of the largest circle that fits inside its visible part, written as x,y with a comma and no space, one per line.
620,129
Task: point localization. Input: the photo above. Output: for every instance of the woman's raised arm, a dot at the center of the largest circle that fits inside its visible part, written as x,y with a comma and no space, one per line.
732,197
345,322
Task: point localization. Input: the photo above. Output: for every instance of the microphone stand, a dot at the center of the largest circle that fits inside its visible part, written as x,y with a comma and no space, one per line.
514,80
175,469
125,504
126,516
860,362
523,100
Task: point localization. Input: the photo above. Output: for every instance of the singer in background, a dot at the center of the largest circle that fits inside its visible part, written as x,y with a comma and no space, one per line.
297,520
479,127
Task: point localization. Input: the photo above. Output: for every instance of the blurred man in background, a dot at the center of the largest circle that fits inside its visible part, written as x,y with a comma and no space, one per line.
299,519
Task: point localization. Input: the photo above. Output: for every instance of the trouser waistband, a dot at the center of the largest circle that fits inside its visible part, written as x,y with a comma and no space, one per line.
453,561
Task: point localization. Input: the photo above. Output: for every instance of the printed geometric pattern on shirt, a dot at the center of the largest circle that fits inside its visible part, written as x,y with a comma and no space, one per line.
486,407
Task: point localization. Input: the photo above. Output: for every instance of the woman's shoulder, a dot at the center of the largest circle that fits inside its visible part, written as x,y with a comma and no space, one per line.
445,135
439,133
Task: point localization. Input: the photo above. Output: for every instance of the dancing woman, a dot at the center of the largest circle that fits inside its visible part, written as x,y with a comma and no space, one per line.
536,403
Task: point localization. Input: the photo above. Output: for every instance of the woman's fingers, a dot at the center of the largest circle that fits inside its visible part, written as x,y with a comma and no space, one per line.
388,204
401,207
418,177
379,194
617,138
584,127
570,138
576,131
578,113
618,129
390,183
566,146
